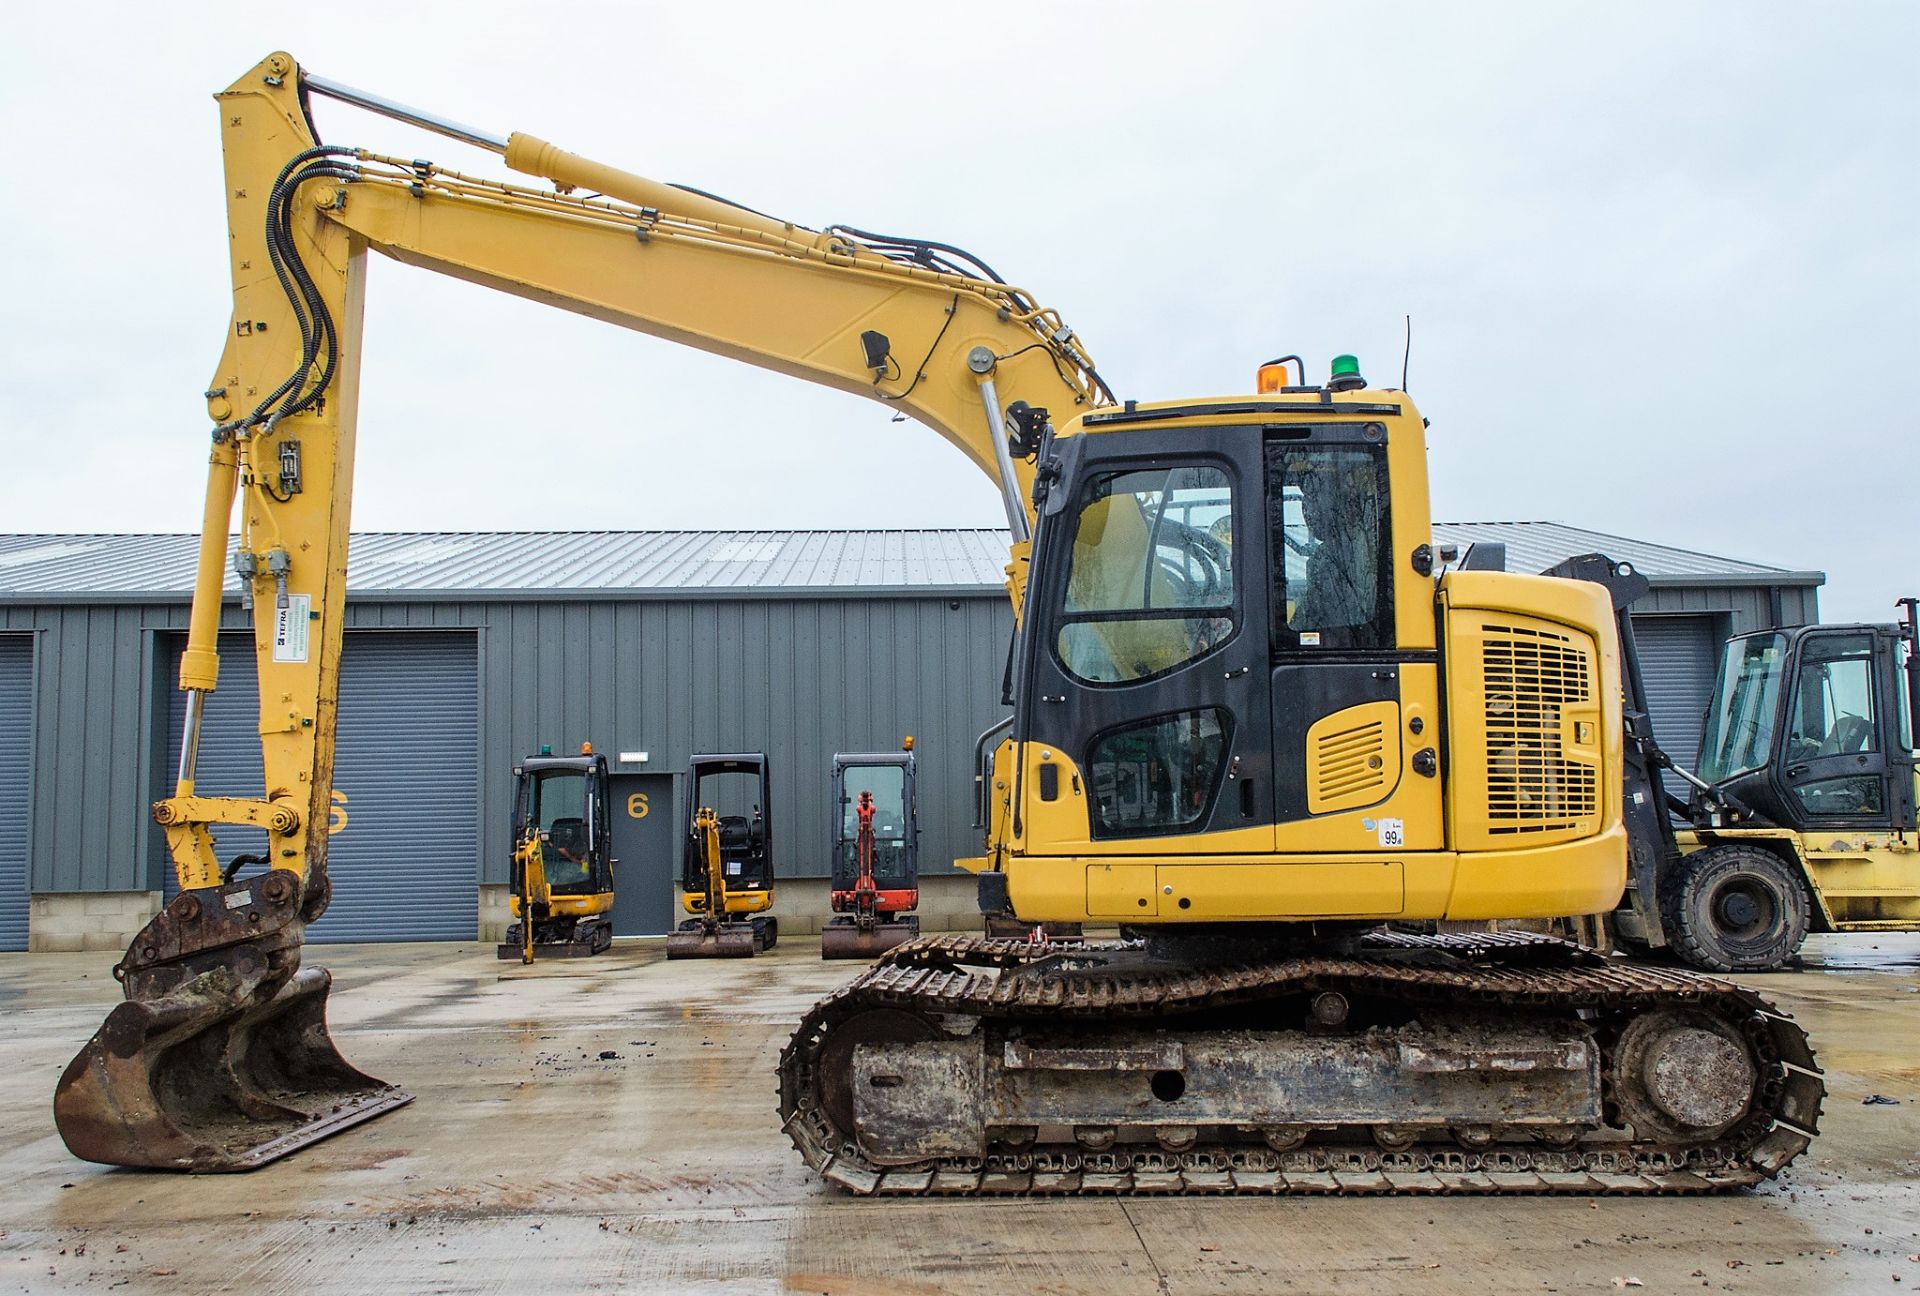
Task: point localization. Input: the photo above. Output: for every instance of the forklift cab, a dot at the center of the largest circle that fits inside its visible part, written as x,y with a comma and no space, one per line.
1810,728
736,788
564,798
889,778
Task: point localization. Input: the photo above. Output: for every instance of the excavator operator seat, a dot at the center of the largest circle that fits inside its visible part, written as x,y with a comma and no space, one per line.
1850,733
566,854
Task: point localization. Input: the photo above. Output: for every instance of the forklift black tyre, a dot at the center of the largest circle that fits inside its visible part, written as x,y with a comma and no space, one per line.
1736,909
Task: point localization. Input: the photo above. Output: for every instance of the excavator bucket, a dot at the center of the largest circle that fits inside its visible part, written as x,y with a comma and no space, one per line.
719,940
848,940
219,1059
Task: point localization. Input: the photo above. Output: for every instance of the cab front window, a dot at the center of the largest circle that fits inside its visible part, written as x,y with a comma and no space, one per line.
559,810
1746,700
1150,578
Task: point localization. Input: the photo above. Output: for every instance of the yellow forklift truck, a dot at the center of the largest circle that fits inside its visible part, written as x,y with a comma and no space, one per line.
1801,815
562,878
727,879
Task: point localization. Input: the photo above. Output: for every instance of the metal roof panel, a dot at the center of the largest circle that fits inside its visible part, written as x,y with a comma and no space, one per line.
739,563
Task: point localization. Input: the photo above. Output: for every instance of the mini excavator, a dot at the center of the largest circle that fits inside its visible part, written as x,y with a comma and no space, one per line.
876,854
727,881
562,878
1255,723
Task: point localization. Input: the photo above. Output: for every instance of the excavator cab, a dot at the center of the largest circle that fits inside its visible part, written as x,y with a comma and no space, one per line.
876,854
562,867
726,881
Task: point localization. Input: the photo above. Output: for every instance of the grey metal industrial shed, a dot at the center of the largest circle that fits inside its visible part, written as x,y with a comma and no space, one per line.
800,643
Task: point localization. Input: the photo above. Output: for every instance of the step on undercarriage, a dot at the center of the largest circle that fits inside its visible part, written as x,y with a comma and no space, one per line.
1485,1063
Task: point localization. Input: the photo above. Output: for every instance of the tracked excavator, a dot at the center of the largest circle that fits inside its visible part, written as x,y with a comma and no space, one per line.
1255,726
726,882
876,854
561,884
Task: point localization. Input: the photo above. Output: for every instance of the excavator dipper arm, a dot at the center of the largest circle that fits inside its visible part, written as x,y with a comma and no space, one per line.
177,1076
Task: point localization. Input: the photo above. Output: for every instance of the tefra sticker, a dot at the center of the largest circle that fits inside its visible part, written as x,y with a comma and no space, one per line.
290,628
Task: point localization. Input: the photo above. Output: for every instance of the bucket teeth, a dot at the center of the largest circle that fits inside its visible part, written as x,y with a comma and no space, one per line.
219,1059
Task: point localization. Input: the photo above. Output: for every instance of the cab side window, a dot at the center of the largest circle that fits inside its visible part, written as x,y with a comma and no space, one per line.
1328,527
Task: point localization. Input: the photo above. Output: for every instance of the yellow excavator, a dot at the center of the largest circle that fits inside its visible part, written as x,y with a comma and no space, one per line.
727,878
1255,725
560,888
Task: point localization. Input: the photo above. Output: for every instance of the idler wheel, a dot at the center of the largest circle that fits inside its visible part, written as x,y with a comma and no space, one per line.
833,1076
1683,1074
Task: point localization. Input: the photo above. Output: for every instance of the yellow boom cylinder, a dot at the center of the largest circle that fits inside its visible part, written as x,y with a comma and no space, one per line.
532,155
200,663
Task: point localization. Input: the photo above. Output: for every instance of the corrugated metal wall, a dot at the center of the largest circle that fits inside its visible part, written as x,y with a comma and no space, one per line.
405,858
92,723
16,764
798,679
1747,607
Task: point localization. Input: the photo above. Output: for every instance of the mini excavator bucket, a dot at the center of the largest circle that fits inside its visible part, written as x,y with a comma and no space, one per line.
849,940
219,1059
713,940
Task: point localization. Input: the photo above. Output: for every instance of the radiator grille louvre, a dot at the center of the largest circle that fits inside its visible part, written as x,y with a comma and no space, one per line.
1530,675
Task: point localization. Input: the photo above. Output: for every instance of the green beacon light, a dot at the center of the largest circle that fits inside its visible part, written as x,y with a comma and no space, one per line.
1346,374
546,749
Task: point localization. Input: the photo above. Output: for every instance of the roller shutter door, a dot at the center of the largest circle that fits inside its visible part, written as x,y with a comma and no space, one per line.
16,757
1678,655
405,856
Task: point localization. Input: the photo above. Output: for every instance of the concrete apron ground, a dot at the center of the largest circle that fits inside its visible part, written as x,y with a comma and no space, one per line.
529,1163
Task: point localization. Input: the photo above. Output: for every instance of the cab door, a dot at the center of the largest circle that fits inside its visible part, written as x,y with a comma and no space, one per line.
1355,684
1145,697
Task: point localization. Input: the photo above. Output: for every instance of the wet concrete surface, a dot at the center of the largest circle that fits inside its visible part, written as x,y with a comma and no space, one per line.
529,1163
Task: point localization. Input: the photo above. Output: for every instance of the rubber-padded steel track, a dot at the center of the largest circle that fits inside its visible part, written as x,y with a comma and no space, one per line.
947,979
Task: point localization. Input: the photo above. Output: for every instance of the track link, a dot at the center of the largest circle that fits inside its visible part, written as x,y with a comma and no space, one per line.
953,978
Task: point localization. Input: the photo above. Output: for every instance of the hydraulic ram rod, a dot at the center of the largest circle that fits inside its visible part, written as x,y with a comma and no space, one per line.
400,112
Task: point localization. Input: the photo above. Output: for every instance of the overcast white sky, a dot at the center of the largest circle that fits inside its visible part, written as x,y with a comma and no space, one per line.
1660,257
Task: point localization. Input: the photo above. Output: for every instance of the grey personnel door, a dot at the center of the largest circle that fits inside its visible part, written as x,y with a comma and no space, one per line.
643,845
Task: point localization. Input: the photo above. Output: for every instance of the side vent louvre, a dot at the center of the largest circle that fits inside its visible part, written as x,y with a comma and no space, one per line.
1353,757
1351,762
1531,674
